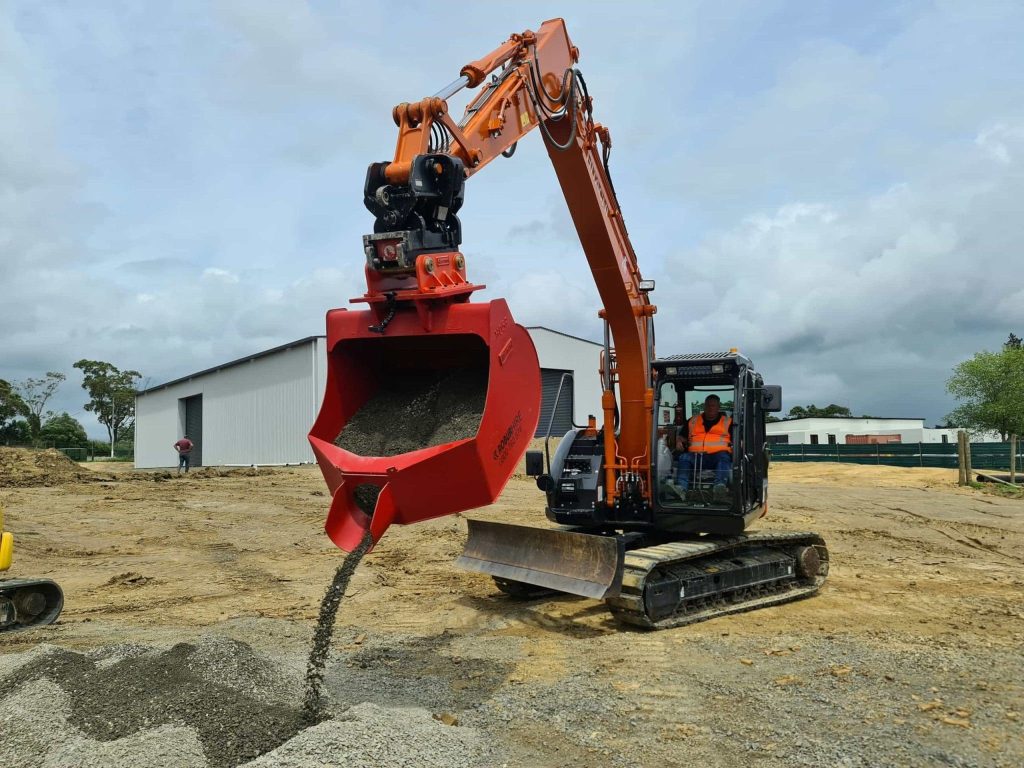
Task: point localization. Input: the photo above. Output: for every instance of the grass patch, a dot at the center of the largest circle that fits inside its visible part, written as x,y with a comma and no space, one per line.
998,489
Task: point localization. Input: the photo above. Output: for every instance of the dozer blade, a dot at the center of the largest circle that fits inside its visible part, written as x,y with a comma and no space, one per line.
27,603
577,563
467,369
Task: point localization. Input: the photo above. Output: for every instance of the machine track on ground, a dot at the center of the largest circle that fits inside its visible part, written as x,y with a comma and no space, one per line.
27,603
683,582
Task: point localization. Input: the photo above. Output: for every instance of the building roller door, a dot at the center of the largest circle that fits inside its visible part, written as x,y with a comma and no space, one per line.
549,381
194,428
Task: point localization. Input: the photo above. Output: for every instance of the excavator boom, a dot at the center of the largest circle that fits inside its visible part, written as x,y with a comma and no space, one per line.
421,325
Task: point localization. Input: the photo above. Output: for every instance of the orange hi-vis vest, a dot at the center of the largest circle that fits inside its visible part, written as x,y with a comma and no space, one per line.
714,440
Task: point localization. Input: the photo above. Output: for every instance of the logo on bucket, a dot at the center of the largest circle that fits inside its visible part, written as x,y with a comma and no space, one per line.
504,446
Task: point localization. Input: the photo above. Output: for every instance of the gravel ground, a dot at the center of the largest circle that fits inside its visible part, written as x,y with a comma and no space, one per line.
185,685
196,705
369,736
910,655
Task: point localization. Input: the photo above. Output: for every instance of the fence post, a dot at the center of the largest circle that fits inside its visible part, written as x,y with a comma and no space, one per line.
878,454
1013,458
961,459
967,458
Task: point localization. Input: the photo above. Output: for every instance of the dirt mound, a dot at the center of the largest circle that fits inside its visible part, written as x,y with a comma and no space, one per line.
417,410
28,467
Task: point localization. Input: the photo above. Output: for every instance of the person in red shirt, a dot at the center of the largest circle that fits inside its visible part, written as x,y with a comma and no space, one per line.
184,448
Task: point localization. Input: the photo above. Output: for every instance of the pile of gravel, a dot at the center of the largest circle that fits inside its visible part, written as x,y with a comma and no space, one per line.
416,410
369,736
204,705
185,686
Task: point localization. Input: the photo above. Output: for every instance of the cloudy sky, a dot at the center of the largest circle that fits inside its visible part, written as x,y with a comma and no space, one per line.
835,188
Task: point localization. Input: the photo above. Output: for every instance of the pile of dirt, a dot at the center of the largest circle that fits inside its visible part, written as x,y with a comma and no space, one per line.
417,410
29,467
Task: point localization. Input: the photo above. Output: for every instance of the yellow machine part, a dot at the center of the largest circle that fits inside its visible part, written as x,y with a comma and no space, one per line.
6,545
6,550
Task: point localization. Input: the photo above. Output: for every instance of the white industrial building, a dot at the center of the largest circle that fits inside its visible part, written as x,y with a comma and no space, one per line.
842,430
258,409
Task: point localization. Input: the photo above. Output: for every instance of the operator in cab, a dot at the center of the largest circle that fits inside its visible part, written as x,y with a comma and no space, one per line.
706,444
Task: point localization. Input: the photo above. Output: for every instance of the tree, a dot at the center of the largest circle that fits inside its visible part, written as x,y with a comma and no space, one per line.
11,404
15,433
64,431
1014,342
112,396
990,387
811,411
35,393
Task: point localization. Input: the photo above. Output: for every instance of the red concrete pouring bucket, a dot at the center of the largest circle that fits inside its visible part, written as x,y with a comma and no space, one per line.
418,382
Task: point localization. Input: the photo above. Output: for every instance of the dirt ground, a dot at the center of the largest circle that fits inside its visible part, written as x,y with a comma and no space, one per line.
911,655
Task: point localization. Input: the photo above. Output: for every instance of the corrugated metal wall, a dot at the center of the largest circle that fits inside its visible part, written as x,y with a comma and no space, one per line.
558,351
256,412
549,381
259,411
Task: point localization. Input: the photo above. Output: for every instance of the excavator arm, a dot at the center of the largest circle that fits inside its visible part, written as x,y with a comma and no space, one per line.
420,325
530,81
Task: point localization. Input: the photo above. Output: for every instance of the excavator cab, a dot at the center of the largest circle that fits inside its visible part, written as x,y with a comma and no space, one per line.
696,491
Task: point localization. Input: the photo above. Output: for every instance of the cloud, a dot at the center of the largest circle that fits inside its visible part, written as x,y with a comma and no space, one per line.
837,192
911,279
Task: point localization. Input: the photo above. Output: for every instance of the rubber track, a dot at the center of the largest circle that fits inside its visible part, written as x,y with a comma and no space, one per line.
628,606
9,586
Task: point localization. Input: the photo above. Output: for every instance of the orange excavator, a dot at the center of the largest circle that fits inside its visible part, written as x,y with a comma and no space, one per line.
653,533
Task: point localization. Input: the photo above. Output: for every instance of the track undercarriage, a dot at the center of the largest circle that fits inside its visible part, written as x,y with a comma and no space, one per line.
655,585
27,603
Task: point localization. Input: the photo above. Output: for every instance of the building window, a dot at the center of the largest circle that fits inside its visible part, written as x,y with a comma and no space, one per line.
831,439
814,439
777,439
945,438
